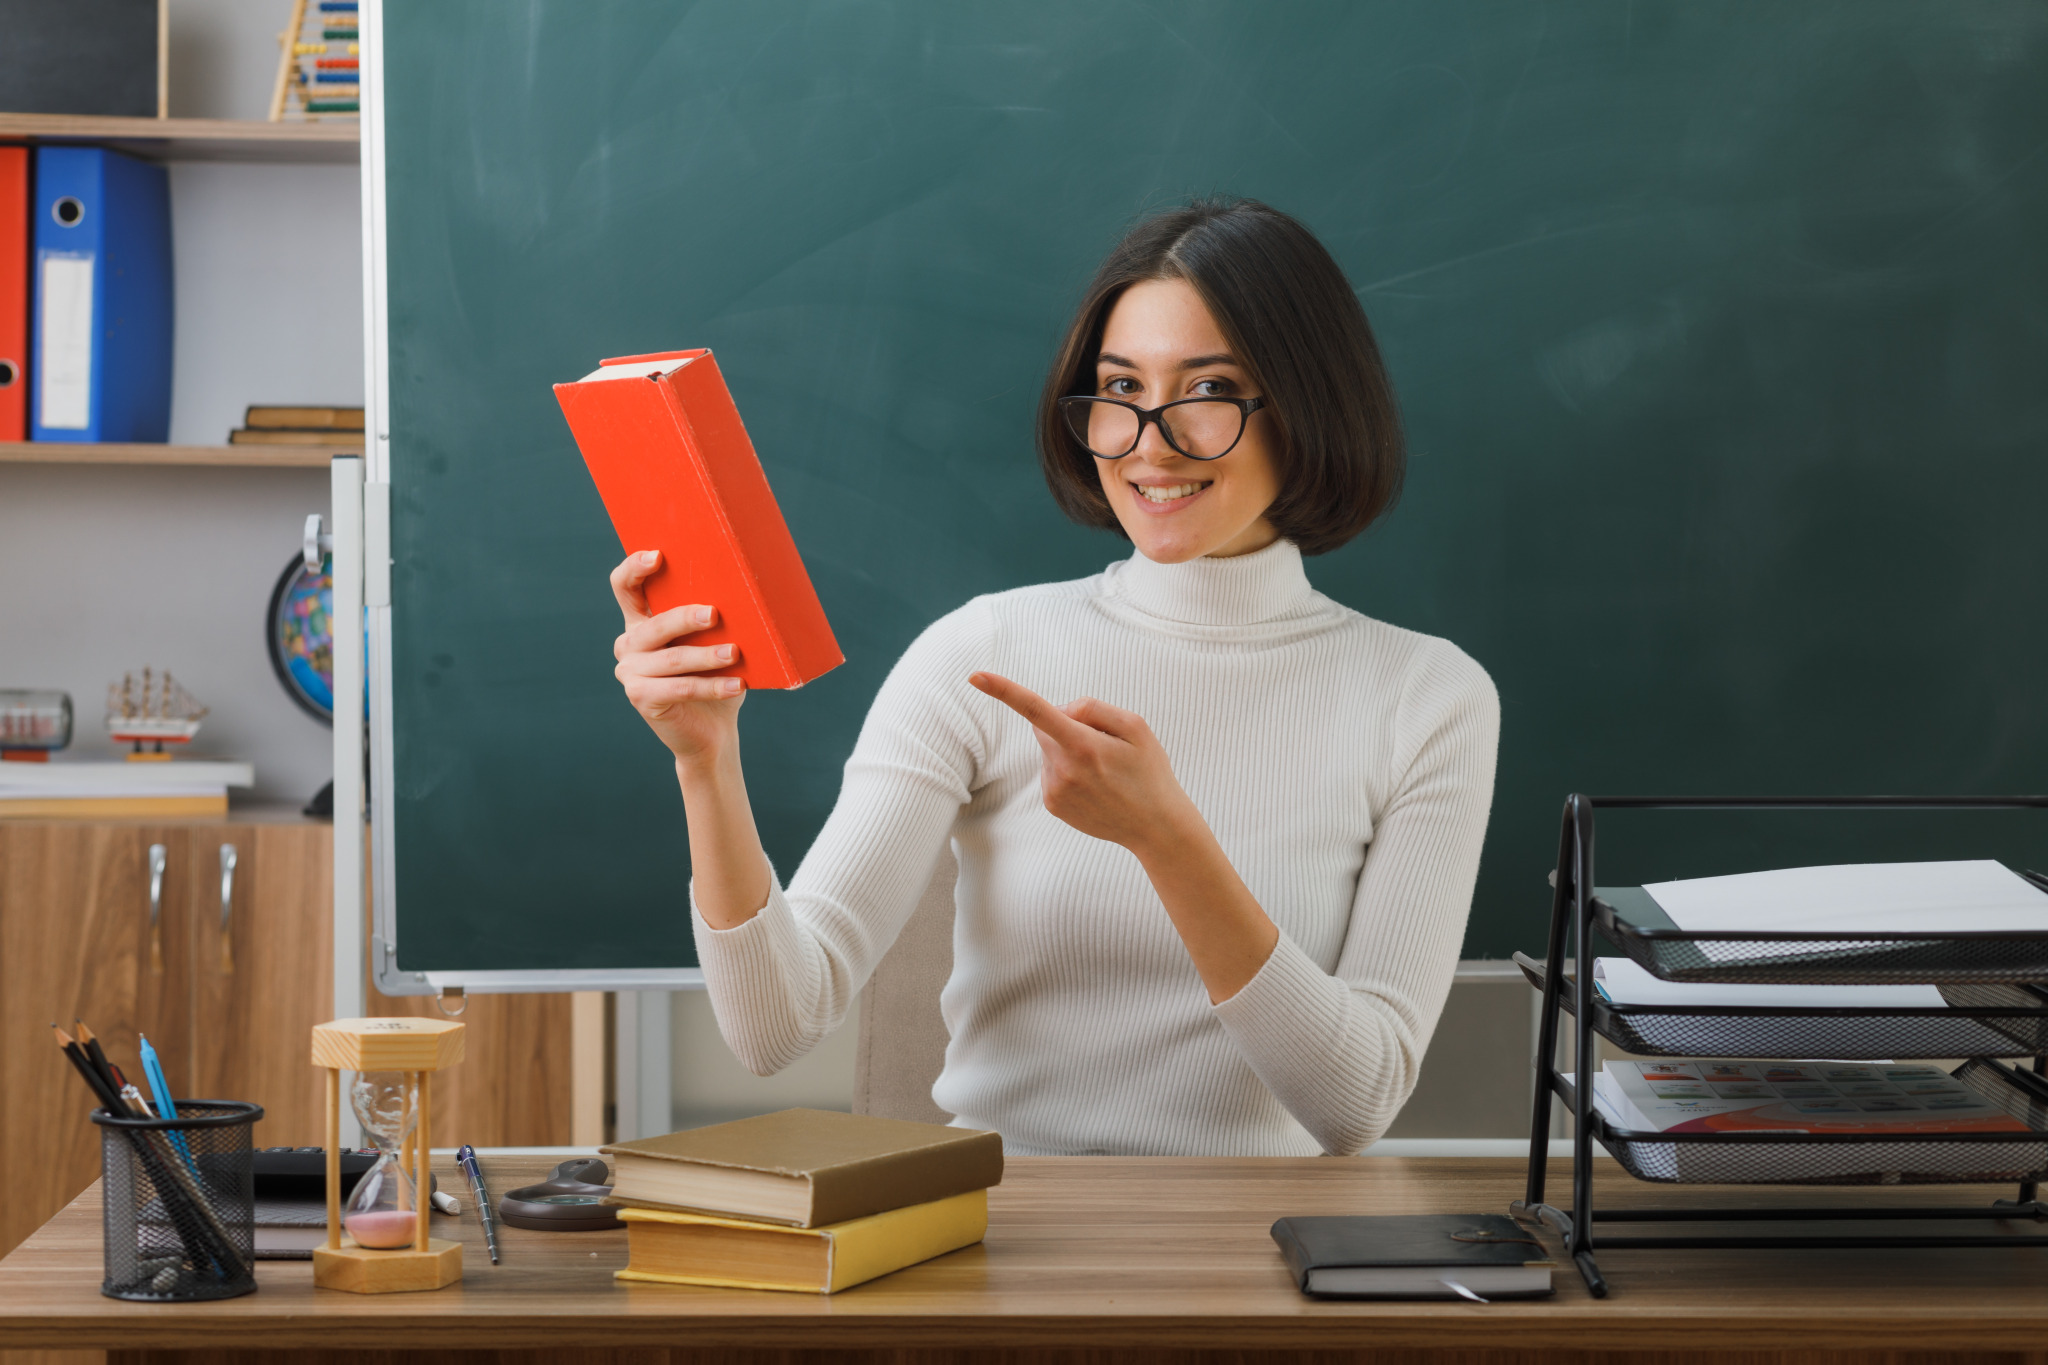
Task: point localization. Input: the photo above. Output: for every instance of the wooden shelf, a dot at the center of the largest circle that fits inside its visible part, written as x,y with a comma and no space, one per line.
333,142
246,457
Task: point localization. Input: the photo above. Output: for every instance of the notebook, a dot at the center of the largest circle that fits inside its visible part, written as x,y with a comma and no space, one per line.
1472,1256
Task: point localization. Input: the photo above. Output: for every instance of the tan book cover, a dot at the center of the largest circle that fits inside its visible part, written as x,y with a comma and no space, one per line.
804,1167
305,418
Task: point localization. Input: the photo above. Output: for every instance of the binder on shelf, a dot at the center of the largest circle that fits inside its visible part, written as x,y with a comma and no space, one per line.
14,209
103,301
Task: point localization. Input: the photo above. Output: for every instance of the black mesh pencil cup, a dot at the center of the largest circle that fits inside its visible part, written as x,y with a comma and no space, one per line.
180,1203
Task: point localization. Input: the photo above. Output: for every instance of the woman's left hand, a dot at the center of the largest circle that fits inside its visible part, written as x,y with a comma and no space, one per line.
1105,772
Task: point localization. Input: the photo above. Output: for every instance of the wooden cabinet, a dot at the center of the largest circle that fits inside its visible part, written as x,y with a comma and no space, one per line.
120,925
81,937
229,999
262,970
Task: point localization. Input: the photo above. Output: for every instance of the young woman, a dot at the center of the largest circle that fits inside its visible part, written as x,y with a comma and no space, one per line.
1217,834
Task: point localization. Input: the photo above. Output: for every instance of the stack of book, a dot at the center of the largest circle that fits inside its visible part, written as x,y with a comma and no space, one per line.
805,1199
337,428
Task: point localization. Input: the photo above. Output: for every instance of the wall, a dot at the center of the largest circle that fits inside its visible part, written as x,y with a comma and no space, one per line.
106,568
1476,1079
709,1086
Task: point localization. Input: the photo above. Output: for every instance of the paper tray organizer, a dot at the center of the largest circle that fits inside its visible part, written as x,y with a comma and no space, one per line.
1632,919
1851,1158
1986,978
1980,1021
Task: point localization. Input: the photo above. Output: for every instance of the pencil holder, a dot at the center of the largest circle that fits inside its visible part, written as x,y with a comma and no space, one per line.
180,1203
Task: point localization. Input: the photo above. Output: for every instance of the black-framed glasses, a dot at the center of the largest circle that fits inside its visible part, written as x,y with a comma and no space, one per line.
1199,428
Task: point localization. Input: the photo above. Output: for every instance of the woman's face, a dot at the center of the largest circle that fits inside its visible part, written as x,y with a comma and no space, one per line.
1159,344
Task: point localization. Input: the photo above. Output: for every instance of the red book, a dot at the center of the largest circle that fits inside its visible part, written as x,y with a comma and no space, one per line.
677,473
14,235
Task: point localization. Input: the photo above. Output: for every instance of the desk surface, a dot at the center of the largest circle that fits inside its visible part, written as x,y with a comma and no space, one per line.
1140,1252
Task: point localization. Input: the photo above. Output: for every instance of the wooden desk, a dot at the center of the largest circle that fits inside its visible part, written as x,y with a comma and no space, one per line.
1146,1258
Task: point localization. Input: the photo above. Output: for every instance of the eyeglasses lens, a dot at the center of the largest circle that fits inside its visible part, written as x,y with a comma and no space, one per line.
1107,429
1203,429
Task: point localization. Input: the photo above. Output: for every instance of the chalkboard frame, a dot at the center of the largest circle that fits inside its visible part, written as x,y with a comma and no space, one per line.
1595,354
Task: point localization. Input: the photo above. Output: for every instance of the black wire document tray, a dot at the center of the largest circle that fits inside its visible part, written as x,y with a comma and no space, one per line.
1631,918
1981,1021
1981,977
1779,1158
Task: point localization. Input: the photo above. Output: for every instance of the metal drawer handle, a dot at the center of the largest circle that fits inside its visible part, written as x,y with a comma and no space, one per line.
158,854
228,859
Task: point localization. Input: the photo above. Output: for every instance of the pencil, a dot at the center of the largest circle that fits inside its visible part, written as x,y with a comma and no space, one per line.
192,1216
94,1050
76,1055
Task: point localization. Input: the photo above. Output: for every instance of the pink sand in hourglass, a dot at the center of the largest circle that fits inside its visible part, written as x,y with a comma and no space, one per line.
382,1229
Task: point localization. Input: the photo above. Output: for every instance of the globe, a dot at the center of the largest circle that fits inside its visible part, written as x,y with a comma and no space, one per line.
300,631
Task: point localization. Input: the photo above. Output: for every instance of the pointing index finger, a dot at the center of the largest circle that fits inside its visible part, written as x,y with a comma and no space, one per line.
1028,704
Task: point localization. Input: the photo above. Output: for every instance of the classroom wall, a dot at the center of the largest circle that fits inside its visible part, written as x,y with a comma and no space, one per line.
107,568
1475,1080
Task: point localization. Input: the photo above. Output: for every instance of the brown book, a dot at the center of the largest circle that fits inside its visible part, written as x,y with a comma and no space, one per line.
804,1167
310,419
272,436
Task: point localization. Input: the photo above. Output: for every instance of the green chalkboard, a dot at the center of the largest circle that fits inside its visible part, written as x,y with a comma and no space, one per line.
1721,331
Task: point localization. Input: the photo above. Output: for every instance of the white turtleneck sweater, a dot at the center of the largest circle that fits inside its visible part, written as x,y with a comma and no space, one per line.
1346,767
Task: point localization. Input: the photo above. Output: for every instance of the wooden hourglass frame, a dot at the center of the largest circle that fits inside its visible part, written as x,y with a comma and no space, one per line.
418,1048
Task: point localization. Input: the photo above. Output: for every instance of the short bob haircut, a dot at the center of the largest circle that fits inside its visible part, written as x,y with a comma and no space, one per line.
1293,323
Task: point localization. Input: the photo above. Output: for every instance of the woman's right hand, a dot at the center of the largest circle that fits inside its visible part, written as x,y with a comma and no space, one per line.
697,718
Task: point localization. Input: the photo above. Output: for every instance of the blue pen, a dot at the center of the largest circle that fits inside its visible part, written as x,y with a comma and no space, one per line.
160,1091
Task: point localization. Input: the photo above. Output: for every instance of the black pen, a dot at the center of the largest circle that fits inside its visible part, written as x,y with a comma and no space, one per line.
465,1157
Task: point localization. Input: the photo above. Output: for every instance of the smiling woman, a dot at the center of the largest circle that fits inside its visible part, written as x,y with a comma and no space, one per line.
1211,902
1229,300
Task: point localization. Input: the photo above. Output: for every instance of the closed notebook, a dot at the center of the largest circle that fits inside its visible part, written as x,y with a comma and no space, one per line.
668,1247
804,1167
673,465
1414,1256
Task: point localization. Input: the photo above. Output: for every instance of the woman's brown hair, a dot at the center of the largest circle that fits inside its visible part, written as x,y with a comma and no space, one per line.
1295,325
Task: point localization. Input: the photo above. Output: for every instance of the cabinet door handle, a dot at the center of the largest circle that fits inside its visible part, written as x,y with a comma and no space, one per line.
228,859
158,855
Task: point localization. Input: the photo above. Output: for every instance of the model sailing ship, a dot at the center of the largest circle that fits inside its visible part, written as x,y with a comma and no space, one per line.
159,712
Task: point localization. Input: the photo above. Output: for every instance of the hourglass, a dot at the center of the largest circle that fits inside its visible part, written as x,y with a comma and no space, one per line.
379,1244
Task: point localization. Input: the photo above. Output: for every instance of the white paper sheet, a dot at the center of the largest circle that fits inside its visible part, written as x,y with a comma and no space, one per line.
1628,984
1853,898
65,400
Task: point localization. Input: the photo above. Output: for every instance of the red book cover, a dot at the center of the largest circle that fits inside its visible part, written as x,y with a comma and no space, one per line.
677,474
14,234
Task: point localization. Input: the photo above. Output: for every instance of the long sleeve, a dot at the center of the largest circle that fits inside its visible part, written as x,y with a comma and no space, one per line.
1341,1049
785,978
1347,767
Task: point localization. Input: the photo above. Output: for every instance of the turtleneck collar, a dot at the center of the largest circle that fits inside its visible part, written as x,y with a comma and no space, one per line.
1240,591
